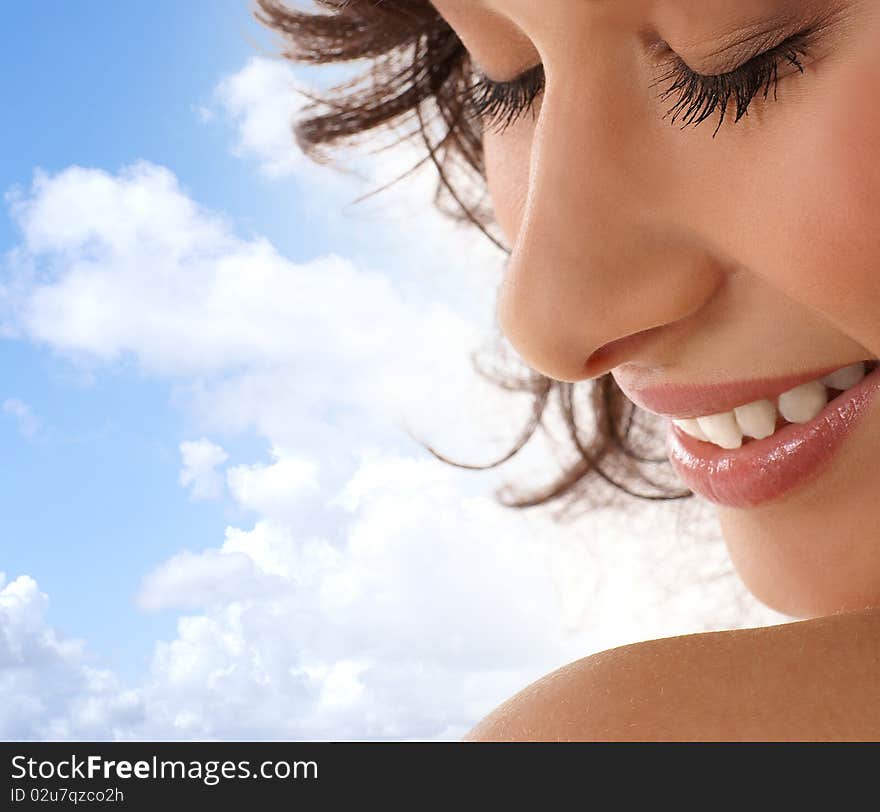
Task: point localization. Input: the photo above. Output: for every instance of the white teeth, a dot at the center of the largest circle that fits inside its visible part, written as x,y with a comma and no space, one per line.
804,402
845,378
721,429
691,427
757,419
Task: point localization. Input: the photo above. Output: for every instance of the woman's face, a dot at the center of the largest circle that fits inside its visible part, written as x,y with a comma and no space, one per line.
754,253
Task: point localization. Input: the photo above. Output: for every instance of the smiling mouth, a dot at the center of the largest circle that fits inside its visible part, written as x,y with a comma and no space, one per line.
763,417
757,471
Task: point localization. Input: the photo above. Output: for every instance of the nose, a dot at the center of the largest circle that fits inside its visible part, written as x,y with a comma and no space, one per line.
601,249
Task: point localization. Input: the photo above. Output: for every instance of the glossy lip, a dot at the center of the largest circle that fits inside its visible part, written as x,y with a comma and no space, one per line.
681,401
762,470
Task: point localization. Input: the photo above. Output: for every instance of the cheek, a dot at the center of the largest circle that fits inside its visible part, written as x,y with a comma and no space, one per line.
834,205
811,223
507,159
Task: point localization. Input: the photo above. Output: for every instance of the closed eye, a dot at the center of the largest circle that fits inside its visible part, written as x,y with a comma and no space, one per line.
500,104
699,95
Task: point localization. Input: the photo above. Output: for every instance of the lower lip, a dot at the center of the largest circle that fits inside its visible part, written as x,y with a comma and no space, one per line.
762,470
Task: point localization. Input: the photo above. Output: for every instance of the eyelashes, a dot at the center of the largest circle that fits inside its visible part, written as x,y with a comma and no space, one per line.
697,96
500,104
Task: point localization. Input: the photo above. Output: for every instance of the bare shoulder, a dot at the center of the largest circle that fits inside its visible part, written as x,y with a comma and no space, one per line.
811,680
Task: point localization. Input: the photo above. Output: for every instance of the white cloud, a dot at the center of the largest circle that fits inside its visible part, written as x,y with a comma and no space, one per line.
261,100
49,689
273,489
421,585
201,580
205,114
141,269
316,356
264,99
200,461
29,425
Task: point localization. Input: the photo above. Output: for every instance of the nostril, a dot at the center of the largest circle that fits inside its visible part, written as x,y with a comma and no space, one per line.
614,353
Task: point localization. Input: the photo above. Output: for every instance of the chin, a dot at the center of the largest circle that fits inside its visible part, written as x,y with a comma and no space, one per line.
812,553
803,581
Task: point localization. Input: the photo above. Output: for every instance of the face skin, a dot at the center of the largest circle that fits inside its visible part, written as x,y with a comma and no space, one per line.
754,254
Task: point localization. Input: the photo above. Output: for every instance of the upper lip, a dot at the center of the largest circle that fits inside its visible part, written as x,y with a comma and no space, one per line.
681,401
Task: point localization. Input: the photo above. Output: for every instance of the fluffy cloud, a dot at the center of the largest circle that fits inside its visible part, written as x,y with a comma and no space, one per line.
272,489
394,627
200,461
445,259
202,580
49,689
261,100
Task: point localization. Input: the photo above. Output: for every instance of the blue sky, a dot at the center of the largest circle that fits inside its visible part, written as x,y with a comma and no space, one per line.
211,523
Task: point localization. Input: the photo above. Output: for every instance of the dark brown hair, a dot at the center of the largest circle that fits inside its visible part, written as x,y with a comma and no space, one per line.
419,72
